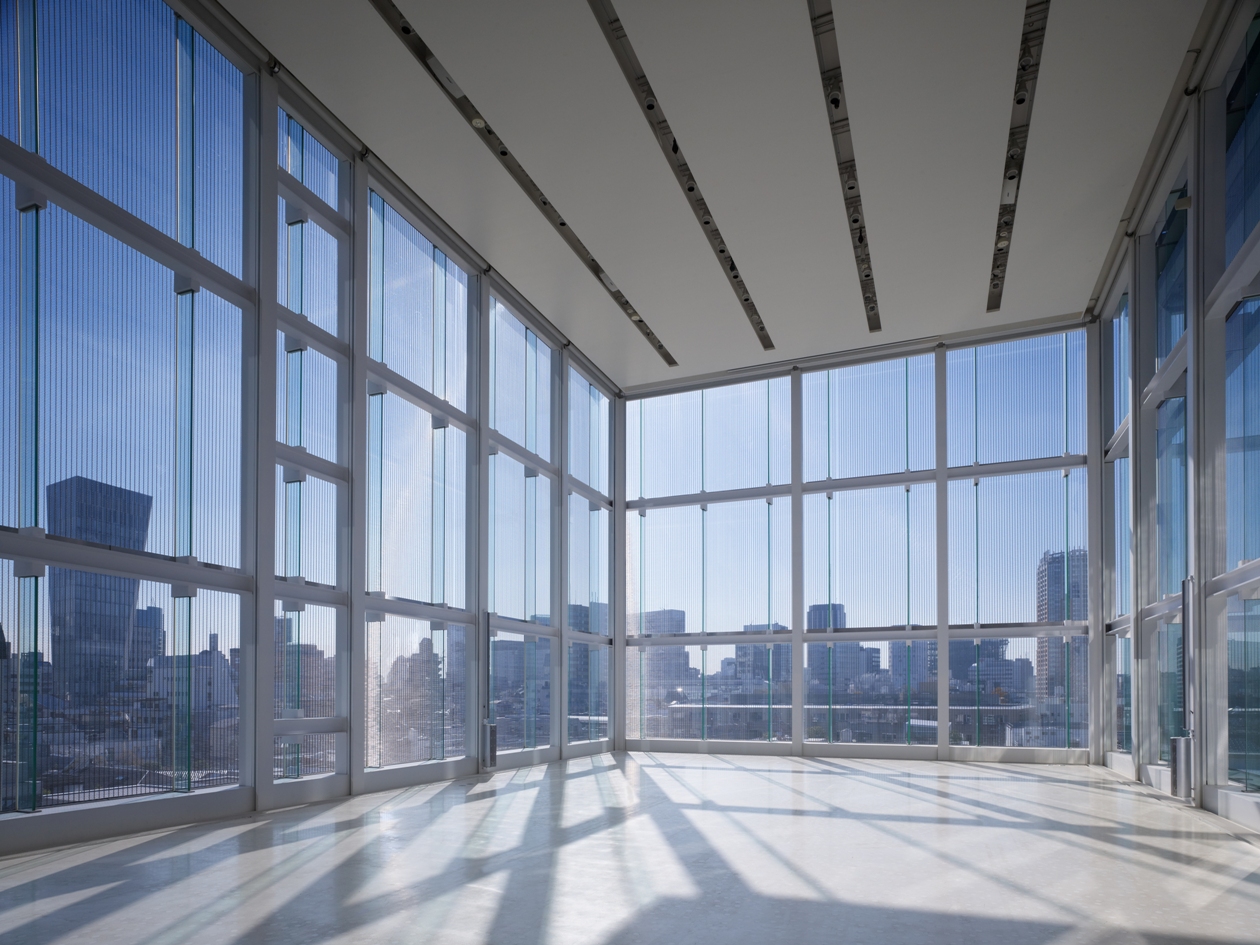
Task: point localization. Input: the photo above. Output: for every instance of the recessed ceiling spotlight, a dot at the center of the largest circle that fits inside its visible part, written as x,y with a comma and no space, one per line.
502,152
834,99
1013,153
1012,173
691,186
649,103
1002,244
1021,96
479,122
851,184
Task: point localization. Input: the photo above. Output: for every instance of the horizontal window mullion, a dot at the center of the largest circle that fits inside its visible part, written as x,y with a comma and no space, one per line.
308,462
319,725
701,498
1240,579
700,639
56,551
870,482
1169,605
878,634
291,323
512,625
33,171
1120,624
1017,466
295,192
1014,630
310,593
578,487
418,610
427,401
1166,375
522,455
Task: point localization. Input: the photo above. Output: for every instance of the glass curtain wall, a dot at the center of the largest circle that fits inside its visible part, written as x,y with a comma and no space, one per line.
709,550
588,518
312,374
121,404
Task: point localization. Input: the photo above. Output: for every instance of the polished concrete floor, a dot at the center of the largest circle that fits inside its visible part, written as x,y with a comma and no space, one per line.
685,849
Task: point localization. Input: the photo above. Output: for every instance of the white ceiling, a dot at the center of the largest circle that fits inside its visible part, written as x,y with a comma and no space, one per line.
928,88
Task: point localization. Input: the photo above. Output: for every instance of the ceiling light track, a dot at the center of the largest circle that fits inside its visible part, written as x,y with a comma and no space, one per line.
828,51
1035,15
615,33
399,24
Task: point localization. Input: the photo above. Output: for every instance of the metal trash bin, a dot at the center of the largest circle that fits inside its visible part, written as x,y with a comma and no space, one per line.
1182,766
489,744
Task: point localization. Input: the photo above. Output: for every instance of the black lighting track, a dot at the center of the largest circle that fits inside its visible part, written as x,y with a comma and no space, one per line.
824,26
615,32
429,62
1036,13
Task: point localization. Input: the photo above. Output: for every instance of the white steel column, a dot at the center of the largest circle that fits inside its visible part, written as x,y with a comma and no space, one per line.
942,553
798,566
263,476
1096,613
560,551
617,670
357,488
480,604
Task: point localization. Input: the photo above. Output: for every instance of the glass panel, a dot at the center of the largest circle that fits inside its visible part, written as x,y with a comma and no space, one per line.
732,437
418,301
520,690
1242,433
1122,542
1120,363
8,72
306,528
1037,572
741,692
520,541
219,123
590,420
871,693
870,419
870,556
1022,399
129,700
307,277
1024,692
420,520
300,756
1170,685
1170,495
417,690
306,398
1242,144
107,101
1124,694
1170,278
588,566
10,367
520,382
1243,656
724,568
302,155
588,692
108,377
663,692
306,662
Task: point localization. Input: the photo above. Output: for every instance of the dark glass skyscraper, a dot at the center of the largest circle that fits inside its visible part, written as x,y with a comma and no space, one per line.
99,646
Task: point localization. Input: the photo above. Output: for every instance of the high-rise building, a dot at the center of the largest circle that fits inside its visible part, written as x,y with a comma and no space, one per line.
92,616
1060,595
